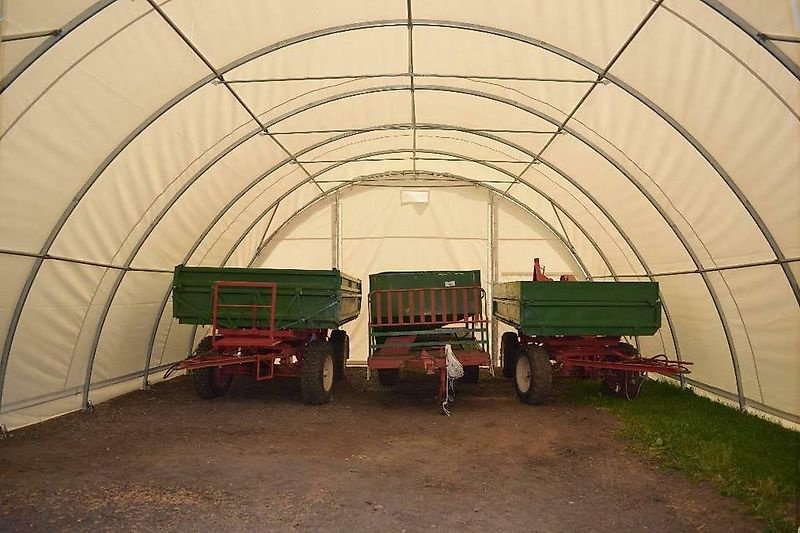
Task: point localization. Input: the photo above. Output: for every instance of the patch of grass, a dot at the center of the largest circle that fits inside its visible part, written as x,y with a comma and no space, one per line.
743,455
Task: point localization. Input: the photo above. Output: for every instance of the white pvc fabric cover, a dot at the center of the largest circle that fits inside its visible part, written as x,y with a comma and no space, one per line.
617,139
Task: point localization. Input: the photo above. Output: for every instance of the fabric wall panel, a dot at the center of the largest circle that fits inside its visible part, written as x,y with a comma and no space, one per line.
464,53
659,343
781,19
441,107
257,202
516,257
307,253
741,334
15,270
699,330
49,67
276,102
521,238
742,47
199,205
263,83
141,181
736,118
360,53
47,364
225,34
19,417
771,316
124,87
356,112
172,341
24,16
587,214
126,332
583,246
447,208
13,52
247,251
685,185
592,30
474,147
357,145
516,221
305,242
635,214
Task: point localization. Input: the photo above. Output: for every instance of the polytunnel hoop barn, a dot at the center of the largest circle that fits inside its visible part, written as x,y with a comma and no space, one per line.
743,335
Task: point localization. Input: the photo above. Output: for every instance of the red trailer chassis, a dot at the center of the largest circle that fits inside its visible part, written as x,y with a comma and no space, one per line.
618,364
414,336
259,350
590,356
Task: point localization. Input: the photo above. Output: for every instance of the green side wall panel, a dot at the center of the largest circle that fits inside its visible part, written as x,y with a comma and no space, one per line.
306,299
407,281
579,307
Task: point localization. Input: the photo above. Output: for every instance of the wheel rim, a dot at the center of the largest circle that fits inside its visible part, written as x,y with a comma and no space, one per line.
523,374
327,373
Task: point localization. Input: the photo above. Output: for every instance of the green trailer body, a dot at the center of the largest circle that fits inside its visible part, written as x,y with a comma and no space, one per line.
579,308
441,305
306,299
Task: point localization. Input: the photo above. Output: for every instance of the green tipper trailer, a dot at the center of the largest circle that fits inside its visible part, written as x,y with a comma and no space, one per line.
308,299
579,307
428,304
266,323
574,328
418,318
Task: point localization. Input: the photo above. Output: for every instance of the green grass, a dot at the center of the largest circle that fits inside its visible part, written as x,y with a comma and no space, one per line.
745,456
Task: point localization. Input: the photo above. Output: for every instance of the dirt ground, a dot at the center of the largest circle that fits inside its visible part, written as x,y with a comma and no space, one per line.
259,459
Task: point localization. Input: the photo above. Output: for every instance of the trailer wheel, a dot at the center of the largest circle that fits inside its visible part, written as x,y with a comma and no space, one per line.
340,343
471,374
211,382
623,383
316,379
533,375
388,377
509,350
204,346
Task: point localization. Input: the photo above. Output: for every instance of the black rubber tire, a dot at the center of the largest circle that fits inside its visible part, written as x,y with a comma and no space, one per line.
509,350
340,342
628,349
316,385
471,374
204,346
614,384
623,383
210,382
533,375
388,377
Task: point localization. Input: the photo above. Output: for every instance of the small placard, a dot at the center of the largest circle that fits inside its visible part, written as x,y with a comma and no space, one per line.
449,283
414,197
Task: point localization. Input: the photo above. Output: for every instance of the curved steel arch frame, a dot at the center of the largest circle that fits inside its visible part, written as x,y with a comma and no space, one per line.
351,27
